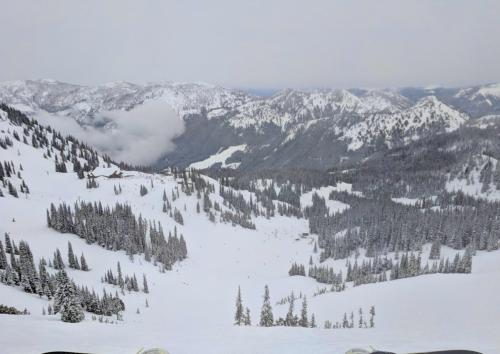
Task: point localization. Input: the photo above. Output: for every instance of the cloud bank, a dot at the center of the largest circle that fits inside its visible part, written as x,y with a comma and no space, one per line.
139,136
259,43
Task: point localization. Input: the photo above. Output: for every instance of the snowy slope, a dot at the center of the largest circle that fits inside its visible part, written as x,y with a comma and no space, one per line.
429,114
192,307
220,157
333,205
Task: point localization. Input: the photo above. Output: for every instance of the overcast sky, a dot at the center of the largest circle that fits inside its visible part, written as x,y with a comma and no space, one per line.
253,43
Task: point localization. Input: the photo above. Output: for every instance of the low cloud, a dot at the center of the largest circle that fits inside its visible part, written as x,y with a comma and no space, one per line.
139,136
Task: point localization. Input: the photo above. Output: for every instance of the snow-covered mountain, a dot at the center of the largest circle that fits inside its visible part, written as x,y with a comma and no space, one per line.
338,124
191,308
82,103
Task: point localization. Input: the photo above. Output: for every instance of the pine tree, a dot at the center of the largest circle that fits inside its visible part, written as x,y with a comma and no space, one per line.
360,322
3,257
266,313
313,321
83,264
8,244
66,300
12,189
58,262
178,217
247,320
345,322
72,261
303,314
289,320
145,284
466,263
372,316
121,282
435,252
239,315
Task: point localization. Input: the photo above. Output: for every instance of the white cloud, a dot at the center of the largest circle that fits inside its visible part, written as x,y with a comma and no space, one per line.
140,136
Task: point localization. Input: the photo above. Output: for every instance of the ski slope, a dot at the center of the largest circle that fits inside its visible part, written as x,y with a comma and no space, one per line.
191,308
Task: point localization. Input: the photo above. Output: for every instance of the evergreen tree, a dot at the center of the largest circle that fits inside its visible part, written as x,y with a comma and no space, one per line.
3,257
66,300
239,314
145,288
266,313
72,260
58,261
12,189
83,264
435,252
290,320
345,322
372,316
313,321
466,263
247,320
303,314
8,244
178,217
121,282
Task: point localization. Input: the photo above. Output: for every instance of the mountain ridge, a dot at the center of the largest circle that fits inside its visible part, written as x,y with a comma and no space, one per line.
316,128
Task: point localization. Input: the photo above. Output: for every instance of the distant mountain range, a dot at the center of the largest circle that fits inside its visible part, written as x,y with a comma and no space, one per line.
292,128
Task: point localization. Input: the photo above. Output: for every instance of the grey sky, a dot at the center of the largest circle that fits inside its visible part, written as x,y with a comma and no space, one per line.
253,43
